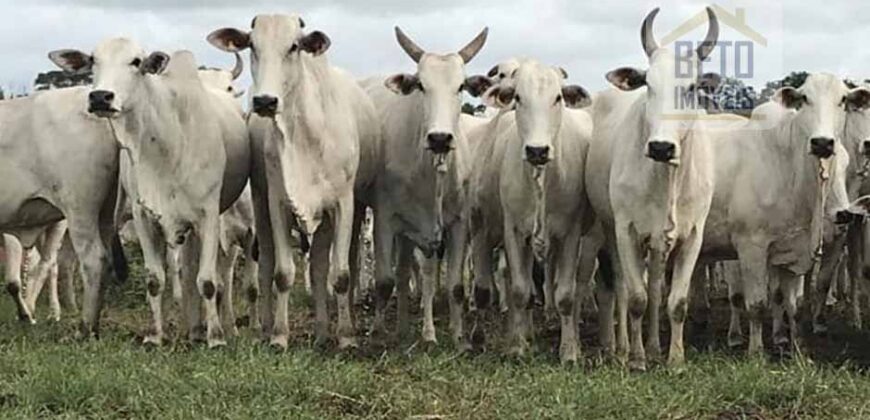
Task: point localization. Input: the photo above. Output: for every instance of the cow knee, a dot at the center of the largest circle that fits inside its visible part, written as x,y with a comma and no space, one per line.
757,309
154,287
208,289
521,297
679,311
253,293
778,296
637,305
565,304
13,288
342,283
282,283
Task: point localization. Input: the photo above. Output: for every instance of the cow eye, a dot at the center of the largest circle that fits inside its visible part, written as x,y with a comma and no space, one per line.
136,62
293,49
230,89
558,99
517,99
420,86
461,87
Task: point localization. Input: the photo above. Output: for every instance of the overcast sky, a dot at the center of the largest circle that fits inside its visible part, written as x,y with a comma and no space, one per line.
586,38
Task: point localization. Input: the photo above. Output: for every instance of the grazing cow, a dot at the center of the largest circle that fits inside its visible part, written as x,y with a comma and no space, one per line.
779,179
185,159
317,129
532,184
421,189
650,182
59,162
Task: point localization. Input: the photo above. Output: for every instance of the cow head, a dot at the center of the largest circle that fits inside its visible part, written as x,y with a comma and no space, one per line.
669,116
277,44
539,97
118,64
503,71
819,110
857,137
440,80
220,80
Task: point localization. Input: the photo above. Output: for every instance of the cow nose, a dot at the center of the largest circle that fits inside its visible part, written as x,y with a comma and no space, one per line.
662,151
538,155
440,143
822,147
265,105
100,100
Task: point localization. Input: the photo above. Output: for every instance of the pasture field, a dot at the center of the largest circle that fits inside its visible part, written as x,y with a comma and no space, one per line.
45,373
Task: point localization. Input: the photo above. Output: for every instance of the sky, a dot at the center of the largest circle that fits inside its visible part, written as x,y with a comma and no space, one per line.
587,38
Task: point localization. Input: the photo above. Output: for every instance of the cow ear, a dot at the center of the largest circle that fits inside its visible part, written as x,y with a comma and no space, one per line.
790,97
861,206
562,72
857,99
230,39
155,63
576,97
477,85
315,43
72,61
627,78
501,97
402,84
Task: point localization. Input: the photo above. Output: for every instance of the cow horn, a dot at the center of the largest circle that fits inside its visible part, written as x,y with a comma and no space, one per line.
413,50
239,67
647,38
474,46
709,43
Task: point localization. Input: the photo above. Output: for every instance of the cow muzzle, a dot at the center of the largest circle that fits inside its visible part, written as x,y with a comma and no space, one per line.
538,155
100,103
662,151
439,143
822,147
265,106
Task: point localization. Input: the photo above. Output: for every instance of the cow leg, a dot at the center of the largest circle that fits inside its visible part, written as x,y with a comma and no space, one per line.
154,253
566,293
285,274
586,267
678,300
48,248
385,280
656,272
226,274
173,275
14,258
95,266
457,239
753,269
66,275
318,265
606,290
519,259
191,299
632,262
854,263
263,250
206,278
824,281
53,297
356,257
737,302
343,224
406,258
252,287
482,264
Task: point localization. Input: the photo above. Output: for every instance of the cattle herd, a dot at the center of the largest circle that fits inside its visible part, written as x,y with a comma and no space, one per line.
558,183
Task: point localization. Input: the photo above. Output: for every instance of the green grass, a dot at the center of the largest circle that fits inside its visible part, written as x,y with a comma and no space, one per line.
43,373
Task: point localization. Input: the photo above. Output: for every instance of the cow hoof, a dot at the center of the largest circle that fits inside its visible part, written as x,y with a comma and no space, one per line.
26,318
517,350
278,342
197,334
568,353
152,340
820,329
347,343
676,363
215,343
735,341
637,365
653,351
463,346
503,308
781,340
429,336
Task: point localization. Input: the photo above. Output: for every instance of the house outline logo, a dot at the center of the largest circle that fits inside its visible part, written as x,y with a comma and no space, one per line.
736,21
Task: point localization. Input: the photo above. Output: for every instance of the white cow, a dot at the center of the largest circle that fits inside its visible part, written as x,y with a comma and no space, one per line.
778,180
317,129
650,181
422,187
185,158
59,162
531,195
